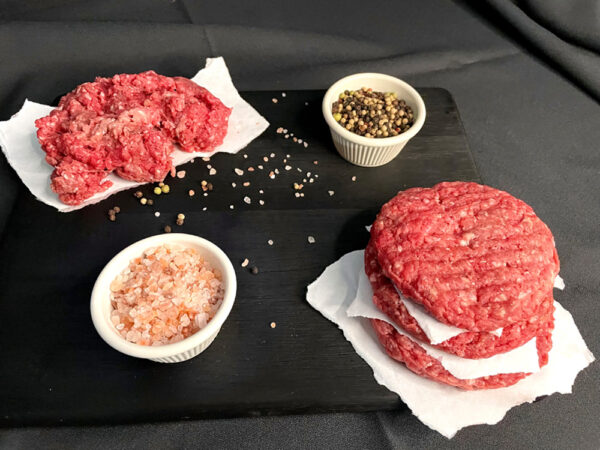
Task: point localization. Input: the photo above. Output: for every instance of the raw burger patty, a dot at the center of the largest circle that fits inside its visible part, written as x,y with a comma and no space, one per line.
415,358
127,124
473,256
471,344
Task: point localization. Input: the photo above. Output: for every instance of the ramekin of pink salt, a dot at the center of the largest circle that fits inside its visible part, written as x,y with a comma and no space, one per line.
164,298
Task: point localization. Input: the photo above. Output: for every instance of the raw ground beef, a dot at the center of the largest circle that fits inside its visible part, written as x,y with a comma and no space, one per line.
127,124
470,344
473,256
415,358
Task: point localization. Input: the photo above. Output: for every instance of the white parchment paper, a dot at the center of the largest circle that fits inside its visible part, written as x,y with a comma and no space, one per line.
20,145
521,359
444,408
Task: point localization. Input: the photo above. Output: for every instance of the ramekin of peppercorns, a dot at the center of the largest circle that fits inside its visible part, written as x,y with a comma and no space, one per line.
372,116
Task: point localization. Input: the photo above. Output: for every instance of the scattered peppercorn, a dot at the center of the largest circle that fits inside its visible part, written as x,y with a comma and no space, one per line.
117,210
138,194
254,270
372,114
150,202
165,189
143,200
157,190
167,228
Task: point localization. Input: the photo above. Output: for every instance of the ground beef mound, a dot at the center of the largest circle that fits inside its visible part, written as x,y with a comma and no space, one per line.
473,256
415,358
127,124
471,344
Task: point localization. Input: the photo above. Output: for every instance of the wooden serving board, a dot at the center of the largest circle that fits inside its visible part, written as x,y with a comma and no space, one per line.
57,370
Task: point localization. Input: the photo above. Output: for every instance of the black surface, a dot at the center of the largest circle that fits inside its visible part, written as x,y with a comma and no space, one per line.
62,372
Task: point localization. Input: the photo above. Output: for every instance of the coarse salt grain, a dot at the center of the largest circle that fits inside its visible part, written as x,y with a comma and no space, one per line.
270,242
247,200
181,174
157,214
261,202
239,172
331,193
311,239
212,171
164,296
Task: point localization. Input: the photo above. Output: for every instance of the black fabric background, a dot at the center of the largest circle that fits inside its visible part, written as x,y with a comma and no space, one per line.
525,79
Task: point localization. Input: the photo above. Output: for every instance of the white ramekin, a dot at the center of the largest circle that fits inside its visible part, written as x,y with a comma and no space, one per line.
372,152
170,353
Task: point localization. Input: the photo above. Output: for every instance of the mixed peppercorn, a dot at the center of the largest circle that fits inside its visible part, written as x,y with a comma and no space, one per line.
372,114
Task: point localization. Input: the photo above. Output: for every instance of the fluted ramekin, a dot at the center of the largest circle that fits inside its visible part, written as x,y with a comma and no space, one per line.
372,152
187,348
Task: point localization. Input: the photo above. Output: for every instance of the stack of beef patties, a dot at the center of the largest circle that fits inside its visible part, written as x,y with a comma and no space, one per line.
474,258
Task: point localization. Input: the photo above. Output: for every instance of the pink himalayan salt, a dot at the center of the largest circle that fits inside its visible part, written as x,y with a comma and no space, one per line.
164,296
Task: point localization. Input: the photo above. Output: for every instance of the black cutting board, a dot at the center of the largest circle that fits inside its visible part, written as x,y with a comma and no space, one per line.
55,368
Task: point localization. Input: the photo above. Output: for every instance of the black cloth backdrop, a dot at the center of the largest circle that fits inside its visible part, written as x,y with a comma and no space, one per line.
525,76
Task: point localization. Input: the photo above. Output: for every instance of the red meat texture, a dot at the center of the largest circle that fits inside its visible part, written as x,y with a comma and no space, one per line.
475,257
127,124
470,344
415,358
